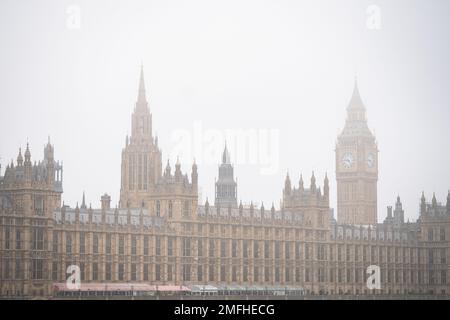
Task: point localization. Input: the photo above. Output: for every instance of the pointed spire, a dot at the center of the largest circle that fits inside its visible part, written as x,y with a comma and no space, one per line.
313,182
287,184
301,183
141,94
326,186
433,201
48,151
225,155
28,155
83,202
20,158
168,169
178,170
356,101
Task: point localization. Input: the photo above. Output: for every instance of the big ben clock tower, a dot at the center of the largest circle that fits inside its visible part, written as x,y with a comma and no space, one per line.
356,167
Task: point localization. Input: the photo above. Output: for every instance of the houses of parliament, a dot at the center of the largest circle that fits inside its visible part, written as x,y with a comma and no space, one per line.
159,233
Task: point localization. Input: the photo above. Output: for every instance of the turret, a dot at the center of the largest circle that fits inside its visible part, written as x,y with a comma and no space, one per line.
106,202
20,158
50,163
326,187
301,184
287,185
167,171
207,206
28,156
194,175
433,201
399,213
313,183
178,170
389,213
28,166
423,206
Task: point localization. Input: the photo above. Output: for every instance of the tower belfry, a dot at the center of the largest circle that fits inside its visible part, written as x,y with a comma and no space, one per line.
356,167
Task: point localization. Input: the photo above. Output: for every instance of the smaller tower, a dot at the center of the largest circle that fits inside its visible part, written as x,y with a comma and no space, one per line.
49,161
287,185
167,171
194,175
313,183
20,158
226,186
301,184
326,187
28,156
434,201
106,202
178,170
399,214
423,205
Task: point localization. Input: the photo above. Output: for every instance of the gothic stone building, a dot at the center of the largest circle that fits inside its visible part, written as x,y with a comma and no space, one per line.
159,234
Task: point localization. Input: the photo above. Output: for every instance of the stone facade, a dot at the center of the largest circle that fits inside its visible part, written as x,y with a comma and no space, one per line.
159,234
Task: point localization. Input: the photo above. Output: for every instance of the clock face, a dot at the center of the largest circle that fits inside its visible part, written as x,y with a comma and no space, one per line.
370,160
347,160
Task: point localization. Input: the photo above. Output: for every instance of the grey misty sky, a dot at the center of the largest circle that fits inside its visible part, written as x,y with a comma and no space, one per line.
286,65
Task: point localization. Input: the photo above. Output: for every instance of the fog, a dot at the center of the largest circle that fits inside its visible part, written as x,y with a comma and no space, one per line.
286,67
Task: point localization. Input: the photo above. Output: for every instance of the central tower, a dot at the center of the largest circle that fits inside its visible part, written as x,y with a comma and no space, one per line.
356,167
226,186
141,157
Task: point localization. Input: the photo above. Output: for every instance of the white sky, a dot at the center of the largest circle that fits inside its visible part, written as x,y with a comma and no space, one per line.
282,65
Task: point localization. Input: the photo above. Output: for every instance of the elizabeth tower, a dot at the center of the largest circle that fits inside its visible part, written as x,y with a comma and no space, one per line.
356,167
